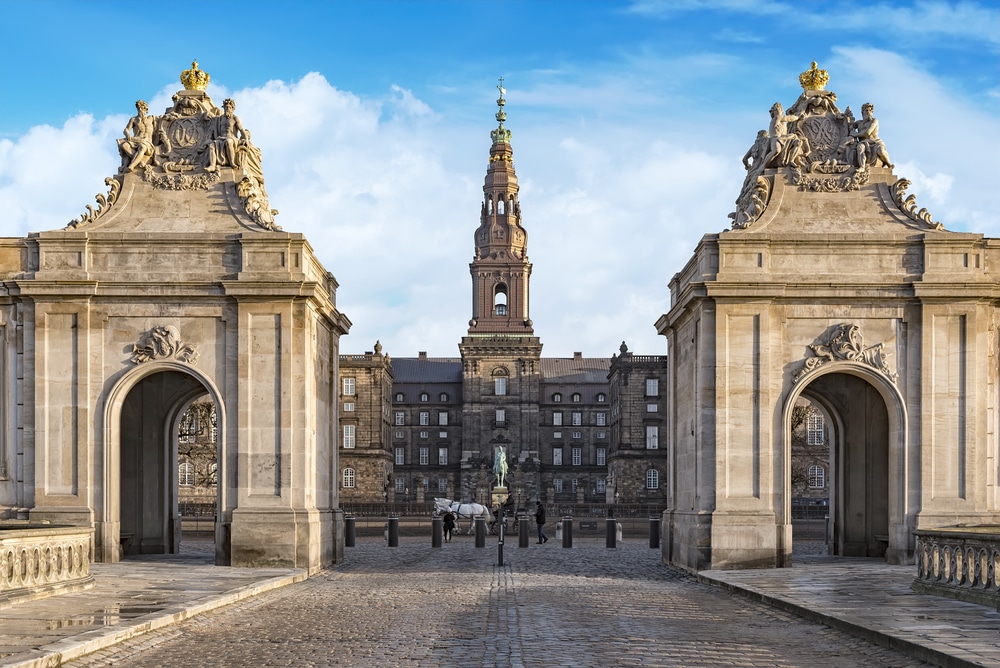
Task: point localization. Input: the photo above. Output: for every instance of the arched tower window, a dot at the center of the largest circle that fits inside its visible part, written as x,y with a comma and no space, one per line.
500,206
500,300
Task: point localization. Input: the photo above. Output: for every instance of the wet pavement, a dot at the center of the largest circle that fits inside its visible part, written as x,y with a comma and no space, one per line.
453,606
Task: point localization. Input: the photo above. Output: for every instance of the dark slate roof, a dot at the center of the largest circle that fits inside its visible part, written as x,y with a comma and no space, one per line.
574,370
427,370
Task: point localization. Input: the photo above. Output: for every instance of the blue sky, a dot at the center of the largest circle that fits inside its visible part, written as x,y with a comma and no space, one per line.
629,122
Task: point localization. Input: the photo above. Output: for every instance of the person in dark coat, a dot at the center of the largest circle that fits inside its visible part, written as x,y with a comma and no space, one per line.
449,525
540,521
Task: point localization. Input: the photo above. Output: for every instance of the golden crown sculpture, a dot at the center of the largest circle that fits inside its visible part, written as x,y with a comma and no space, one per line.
814,78
195,79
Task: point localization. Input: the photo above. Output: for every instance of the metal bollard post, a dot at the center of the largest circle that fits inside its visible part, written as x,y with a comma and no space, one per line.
437,531
654,532
567,524
611,532
393,532
349,531
500,532
523,531
480,531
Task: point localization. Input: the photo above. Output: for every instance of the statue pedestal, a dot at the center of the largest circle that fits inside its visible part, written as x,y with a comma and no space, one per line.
499,496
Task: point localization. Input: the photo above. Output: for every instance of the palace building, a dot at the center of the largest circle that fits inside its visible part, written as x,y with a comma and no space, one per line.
576,430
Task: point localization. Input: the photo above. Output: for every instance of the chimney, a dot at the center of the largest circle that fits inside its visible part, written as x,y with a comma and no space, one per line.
422,355
578,356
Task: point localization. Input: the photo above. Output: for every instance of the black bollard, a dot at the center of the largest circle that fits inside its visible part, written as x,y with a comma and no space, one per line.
611,532
437,531
500,533
523,531
349,531
393,532
654,532
480,531
567,524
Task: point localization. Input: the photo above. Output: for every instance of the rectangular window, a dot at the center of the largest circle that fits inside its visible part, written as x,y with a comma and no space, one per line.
348,387
557,456
574,483
602,434
400,418
443,456
577,434
557,434
348,435
499,386
426,483
442,434
577,456
442,484
601,488
424,434
652,387
652,408
652,437
817,477
602,456
557,485
501,417
348,478
602,419
425,418
400,456
815,429
443,419
399,434
424,456
556,419
652,479
349,407
577,419
400,486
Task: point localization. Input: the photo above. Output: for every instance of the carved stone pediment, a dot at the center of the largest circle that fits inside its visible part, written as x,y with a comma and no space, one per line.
845,343
186,147
163,342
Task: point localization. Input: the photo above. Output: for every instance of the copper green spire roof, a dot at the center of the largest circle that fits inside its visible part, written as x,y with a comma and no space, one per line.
501,134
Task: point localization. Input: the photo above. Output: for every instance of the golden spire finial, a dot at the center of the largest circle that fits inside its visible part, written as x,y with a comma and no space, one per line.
195,79
501,134
814,78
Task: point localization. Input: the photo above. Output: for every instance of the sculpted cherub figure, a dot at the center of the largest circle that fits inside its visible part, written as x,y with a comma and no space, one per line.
136,148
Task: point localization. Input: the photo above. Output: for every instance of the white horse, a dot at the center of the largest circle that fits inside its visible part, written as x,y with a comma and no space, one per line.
467,511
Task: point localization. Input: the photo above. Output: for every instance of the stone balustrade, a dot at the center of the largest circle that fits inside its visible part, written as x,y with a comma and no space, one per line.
42,560
962,563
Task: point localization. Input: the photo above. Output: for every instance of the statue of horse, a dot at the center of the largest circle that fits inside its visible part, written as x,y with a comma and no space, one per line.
500,466
462,511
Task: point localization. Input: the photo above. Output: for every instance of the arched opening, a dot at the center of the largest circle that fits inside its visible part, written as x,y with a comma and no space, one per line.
500,300
845,433
153,478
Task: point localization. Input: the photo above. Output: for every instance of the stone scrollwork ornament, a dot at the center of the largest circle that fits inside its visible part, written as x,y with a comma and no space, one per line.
908,205
104,204
845,343
163,342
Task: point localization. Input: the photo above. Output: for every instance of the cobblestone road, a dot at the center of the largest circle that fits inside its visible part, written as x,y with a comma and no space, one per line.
547,606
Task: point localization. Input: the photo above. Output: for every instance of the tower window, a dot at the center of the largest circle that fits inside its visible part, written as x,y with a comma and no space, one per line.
500,300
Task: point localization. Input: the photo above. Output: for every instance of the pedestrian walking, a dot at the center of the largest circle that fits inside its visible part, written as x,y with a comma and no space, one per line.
449,525
540,521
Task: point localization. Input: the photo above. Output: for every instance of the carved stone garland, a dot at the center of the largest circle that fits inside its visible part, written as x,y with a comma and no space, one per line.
163,342
845,342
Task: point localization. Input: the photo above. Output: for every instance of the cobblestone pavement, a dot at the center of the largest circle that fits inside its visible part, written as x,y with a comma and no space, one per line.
547,606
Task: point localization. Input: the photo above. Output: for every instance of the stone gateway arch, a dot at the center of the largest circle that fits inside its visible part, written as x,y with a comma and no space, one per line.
834,287
177,285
